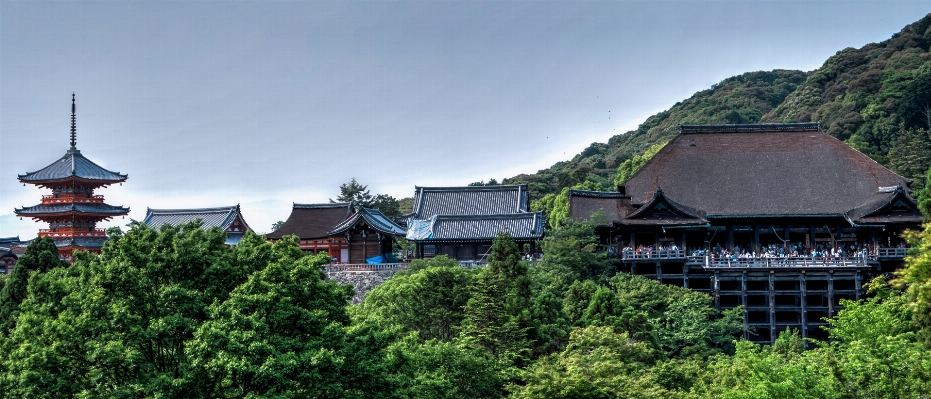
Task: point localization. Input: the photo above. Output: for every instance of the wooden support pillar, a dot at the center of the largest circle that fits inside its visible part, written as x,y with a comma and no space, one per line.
772,306
682,241
830,293
730,238
812,243
716,291
633,240
685,276
756,238
743,301
785,236
633,268
803,291
857,283
659,272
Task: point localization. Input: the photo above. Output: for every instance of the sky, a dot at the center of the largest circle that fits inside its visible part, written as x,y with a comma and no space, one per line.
266,104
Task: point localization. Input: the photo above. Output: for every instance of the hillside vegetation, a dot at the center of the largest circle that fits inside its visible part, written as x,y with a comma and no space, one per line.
869,97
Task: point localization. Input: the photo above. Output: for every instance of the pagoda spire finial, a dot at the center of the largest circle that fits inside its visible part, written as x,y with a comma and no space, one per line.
74,126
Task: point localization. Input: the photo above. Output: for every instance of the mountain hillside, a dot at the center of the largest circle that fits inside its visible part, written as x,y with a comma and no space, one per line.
868,97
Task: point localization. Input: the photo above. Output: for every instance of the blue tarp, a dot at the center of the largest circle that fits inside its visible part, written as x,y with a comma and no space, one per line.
375,260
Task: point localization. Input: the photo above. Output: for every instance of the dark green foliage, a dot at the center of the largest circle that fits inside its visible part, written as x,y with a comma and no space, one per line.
354,192
924,197
572,253
437,369
496,316
388,205
40,255
910,156
427,299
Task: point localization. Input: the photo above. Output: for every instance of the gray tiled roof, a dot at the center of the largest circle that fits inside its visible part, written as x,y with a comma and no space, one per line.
73,164
522,226
471,200
894,206
85,242
66,208
220,217
374,218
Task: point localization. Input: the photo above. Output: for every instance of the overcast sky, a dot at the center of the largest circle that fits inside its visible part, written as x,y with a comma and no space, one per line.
214,103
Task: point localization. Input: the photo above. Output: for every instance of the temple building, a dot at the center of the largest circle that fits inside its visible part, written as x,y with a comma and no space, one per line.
781,219
73,210
8,254
462,222
227,218
347,232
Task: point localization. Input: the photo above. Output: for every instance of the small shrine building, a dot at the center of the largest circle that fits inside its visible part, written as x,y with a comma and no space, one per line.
227,218
348,233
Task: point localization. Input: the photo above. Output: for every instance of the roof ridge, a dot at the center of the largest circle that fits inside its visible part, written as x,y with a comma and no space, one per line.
750,127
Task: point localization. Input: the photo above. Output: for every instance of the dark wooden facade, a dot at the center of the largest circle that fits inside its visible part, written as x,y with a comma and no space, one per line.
347,233
781,219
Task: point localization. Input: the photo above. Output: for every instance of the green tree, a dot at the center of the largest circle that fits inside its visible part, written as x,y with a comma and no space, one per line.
437,369
496,316
911,155
597,363
427,299
923,197
40,255
354,192
572,252
560,203
277,225
281,333
915,278
387,204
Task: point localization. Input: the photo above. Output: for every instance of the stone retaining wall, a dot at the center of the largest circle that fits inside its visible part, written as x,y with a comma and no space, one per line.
362,281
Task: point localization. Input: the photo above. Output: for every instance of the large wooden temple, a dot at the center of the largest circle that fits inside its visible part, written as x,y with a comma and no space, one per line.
73,210
781,219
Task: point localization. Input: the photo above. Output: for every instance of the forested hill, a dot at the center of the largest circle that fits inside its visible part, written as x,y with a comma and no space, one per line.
868,97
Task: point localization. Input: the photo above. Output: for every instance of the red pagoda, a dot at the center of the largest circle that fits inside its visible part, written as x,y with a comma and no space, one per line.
73,211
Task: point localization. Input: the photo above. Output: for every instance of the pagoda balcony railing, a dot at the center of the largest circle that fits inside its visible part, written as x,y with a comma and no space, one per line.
892,252
804,262
654,255
52,199
69,233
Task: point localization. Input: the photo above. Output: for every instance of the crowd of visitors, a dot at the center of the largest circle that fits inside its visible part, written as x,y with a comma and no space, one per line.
841,250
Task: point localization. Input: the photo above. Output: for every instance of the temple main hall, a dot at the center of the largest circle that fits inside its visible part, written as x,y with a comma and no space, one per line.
781,219
72,211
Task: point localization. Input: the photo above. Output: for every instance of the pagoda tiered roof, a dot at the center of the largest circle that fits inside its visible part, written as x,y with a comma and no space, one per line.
51,210
73,165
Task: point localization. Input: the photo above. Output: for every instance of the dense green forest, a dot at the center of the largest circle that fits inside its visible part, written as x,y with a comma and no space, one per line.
175,313
876,98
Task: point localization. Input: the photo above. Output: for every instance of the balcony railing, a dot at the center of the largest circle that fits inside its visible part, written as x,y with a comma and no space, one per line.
68,233
363,267
653,255
67,199
787,262
892,252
